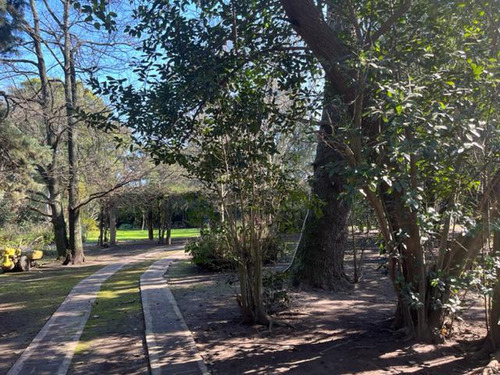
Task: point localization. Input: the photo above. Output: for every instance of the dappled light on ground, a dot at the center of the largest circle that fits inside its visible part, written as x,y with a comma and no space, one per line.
329,333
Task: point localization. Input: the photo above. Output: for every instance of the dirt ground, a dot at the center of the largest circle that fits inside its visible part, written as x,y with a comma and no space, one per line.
333,333
329,333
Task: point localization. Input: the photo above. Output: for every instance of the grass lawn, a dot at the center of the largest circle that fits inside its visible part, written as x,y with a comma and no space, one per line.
27,300
137,234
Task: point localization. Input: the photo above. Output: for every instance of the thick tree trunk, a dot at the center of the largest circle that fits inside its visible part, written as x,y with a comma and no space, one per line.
151,233
112,225
59,226
49,173
319,261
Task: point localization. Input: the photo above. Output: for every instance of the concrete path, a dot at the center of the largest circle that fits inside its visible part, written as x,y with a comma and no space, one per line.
171,347
51,351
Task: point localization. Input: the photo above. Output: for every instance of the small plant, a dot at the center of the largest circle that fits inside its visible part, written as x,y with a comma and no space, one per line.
276,296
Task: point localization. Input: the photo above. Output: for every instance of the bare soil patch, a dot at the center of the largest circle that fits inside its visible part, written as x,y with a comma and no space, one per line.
333,333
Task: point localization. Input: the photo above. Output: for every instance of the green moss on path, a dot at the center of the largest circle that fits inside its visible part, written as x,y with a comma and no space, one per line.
113,337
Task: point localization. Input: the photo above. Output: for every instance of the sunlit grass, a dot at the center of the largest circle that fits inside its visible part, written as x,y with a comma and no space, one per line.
117,302
137,234
28,299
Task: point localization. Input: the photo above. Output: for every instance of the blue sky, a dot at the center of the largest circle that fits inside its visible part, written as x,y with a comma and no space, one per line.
109,53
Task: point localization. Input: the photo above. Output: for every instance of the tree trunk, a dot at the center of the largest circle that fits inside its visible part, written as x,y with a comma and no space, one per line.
57,212
112,224
100,241
151,233
59,226
168,222
161,214
49,173
492,342
319,261
75,229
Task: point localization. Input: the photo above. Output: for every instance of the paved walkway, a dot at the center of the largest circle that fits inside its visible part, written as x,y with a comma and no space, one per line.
51,351
171,347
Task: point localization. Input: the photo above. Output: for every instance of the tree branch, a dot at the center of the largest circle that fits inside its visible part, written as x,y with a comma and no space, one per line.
385,27
104,193
39,211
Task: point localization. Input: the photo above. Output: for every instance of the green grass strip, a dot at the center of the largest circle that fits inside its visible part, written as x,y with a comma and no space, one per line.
117,310
137,234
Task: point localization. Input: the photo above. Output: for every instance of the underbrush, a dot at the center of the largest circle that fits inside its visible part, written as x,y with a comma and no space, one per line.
213,252
37,236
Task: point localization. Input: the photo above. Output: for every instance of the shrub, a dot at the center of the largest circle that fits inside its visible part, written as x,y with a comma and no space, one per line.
211,251
275,294
36,235
126,226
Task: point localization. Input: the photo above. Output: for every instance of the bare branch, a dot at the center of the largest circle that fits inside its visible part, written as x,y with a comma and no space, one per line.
39,211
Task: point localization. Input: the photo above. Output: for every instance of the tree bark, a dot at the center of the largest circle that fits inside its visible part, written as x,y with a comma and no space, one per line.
59,227
492,342
151,233
48,173
112,224
100,241
76,254
168,221
161,213
319,261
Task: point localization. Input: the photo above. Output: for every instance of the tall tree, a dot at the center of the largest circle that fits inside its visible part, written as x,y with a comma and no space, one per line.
66,46
257,91
396,99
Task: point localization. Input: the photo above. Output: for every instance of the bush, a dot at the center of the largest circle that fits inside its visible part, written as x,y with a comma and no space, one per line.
88,225
126,226
272,248
37,235
211,251
275,294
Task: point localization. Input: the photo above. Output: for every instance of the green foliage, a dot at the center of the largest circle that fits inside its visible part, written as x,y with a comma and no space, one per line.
11,19
276,296
126,226
35,235
212,251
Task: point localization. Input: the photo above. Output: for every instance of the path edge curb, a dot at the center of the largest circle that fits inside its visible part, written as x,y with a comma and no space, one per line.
149,335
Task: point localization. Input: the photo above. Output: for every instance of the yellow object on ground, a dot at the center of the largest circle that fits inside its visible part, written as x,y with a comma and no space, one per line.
35,254
7,263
